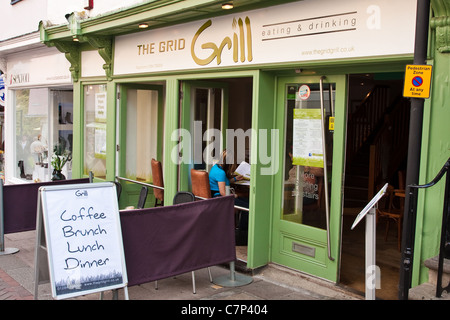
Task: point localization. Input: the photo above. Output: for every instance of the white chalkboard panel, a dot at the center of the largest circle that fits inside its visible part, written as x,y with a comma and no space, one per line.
83,238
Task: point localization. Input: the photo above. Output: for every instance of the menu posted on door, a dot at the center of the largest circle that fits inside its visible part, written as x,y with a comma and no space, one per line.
307,138
83,238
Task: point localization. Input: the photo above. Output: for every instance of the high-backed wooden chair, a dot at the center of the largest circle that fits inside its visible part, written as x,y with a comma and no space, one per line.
142,198
158,180
400,192
118,189
392,211
183,196
200,183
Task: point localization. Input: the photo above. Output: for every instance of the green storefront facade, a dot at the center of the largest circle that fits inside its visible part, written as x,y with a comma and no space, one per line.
141,94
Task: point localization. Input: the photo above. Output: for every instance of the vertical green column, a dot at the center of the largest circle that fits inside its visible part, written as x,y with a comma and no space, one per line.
185,123
261,189
170,168
160,140
78,132
338,161
111,131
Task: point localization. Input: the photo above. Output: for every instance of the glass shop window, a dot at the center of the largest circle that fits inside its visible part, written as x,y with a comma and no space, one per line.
43,125
95,130
142,133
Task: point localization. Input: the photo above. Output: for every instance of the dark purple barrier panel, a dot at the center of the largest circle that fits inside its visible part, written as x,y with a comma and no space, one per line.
166,241
20,204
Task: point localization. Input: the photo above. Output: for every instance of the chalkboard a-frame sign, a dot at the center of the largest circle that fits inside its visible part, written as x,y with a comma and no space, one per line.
83,239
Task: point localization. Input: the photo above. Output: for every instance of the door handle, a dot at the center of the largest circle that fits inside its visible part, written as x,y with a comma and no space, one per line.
325,173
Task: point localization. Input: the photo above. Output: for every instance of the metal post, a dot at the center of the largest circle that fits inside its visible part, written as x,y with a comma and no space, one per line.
408,243
234,280
3,250
371,254
325,170
370,213
415,129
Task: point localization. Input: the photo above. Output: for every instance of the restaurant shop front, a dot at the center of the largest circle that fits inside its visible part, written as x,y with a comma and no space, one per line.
278,85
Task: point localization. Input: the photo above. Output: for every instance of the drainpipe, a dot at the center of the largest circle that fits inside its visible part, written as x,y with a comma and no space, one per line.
414,146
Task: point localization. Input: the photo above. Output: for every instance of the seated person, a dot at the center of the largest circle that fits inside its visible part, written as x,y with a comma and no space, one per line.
219,179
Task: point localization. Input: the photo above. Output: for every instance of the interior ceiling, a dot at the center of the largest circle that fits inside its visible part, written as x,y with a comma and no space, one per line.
195,13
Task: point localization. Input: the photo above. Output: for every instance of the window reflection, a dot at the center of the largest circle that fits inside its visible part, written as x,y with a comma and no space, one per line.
142,133
303,197
95,110
43,121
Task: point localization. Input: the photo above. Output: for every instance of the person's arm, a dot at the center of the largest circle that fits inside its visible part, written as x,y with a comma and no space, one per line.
222,188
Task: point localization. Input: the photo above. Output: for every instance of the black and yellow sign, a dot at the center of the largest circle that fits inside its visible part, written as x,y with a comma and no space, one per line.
331,124
417,81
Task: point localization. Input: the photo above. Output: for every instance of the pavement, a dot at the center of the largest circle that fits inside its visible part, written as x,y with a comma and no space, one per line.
272,282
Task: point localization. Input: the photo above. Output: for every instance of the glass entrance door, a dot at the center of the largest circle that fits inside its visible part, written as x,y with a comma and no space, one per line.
204,116
207,123
139,136
307,228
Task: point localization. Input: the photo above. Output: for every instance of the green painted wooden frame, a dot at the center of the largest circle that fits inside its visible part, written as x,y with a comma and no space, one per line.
328,269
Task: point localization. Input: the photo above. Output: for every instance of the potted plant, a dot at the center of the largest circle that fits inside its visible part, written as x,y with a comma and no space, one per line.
59,158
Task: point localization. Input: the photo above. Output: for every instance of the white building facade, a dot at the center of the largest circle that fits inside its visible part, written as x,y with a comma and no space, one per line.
36,91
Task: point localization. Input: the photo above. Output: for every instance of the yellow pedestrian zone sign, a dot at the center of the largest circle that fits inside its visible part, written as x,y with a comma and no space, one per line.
417,81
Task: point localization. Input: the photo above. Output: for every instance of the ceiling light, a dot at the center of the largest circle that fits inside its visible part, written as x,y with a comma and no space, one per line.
227,6
143,25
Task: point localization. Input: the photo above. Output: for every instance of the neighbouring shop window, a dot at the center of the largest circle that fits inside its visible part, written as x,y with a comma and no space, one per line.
31,107
95,108
39,129
141,133
62,128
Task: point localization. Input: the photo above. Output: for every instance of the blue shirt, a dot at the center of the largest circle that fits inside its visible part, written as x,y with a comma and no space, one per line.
217,174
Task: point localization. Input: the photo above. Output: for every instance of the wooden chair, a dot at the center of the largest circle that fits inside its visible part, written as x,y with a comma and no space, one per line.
142,198
392,209
200,183
400,192
118,189
183,197
157,174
